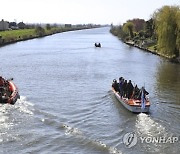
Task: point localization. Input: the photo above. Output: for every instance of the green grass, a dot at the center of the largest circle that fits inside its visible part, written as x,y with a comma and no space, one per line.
17,34
24,34
151,48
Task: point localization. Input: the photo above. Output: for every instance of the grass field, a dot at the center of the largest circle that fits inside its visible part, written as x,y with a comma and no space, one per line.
17,34
11,36
23,34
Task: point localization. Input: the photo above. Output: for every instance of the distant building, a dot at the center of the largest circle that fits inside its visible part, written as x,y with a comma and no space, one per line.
4,25
21,25
13,25
68,25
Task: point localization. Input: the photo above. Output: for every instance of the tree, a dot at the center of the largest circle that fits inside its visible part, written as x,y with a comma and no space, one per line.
167,30
139,24
141,34
48,26
40,31
128,28
118,31
150,28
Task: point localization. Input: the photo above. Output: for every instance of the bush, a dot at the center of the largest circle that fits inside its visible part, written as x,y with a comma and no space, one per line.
40,31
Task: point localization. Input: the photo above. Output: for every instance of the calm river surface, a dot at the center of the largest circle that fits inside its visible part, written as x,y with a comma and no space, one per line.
67,105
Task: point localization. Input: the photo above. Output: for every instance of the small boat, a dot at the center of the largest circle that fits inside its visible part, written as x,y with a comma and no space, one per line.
97,45
133,105
9,92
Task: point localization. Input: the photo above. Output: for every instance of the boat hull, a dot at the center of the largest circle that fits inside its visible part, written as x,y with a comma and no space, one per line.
13,96
132,108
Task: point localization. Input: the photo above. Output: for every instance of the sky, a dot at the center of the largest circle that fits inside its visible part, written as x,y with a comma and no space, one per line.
79,11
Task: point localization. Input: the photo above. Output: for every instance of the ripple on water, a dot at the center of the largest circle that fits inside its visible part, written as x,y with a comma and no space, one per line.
89,141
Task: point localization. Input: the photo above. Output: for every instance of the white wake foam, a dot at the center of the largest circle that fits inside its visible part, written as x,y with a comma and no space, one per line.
24,106
11,115
76,132
147,126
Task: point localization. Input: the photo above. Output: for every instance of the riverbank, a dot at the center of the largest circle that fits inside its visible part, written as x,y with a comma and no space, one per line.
151,50
13,36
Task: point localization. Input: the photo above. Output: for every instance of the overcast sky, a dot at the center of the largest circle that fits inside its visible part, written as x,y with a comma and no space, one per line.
79,11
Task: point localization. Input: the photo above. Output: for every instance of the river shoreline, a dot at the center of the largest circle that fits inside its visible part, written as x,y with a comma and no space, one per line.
174,60
12,41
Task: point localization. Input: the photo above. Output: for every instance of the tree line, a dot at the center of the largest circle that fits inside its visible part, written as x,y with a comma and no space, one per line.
161,33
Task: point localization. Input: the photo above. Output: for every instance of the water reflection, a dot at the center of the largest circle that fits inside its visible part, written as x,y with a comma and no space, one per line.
168,82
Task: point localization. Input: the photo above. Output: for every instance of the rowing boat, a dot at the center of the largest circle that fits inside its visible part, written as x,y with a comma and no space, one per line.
133,105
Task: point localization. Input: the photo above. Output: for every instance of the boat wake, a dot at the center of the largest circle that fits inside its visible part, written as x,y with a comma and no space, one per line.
71,131
12,117
24,106
147,126
153,133
79,134
77,49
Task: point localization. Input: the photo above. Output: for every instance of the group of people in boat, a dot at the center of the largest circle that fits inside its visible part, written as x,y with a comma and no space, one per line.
4,89
97,45
127,90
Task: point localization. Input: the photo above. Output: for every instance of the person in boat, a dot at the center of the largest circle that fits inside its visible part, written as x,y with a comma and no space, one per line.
2,86
2,81
120,86
115,85
3,89
129,89
136,92
124,88
140,93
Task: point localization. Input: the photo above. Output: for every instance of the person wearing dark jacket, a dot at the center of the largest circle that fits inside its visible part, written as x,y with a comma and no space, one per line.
129,89
140,93
2,82
136,92
124,88
115,85
121,81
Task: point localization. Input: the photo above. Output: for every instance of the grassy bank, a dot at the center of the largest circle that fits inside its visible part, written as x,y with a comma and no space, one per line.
7,36
12,36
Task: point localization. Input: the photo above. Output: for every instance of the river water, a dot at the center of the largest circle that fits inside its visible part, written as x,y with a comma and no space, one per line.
67,105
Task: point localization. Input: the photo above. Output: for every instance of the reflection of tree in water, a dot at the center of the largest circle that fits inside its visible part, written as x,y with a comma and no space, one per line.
168,80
